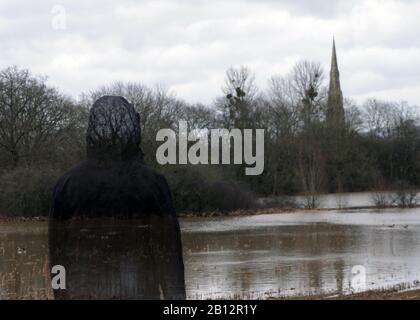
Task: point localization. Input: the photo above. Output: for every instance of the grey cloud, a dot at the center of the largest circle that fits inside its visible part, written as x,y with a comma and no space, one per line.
188,44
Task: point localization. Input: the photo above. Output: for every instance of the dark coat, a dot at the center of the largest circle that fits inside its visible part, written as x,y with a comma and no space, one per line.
112,223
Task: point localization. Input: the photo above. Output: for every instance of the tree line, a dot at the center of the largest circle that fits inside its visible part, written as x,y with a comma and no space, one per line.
42,134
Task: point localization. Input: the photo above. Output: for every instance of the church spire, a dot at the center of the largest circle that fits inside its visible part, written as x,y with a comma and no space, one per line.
334,64
335,110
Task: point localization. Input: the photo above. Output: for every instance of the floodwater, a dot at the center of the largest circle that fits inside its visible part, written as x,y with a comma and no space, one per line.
343,200
261,256
340,200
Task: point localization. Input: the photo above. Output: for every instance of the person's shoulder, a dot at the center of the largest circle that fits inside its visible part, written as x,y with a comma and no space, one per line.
75,171
150,172
151,175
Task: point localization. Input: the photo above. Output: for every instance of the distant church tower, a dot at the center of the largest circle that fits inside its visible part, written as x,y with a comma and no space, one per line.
335,107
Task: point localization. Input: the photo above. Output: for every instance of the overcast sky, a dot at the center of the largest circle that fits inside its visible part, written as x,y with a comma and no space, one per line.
188,44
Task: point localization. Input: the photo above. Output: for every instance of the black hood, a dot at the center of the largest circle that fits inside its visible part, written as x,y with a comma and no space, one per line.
114,130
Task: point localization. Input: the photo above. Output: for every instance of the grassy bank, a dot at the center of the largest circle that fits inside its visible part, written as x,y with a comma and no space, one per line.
233,213
399,292
209,214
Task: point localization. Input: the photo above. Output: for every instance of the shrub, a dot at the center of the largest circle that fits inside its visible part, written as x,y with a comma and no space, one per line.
278,202
27,191
406,196
228,196
311,201
381,199
187,186
196,190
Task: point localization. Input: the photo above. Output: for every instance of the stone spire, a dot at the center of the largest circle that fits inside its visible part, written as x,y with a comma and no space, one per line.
335,107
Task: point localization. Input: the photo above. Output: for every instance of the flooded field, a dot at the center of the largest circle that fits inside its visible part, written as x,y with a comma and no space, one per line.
339,200
255,256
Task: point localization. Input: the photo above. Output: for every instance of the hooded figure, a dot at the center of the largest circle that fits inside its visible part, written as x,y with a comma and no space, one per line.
112,224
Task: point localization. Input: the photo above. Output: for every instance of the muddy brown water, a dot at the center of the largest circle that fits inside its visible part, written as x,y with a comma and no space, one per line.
255,257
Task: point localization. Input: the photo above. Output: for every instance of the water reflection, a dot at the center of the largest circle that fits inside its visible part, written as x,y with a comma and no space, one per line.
106,259
254,257
300,253
24,261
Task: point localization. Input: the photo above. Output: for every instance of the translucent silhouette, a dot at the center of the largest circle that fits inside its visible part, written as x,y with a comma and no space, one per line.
112,223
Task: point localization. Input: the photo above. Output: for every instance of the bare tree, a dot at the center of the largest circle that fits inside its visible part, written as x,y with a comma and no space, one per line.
158,108
31,114
307,81
199,116
282,101
311,171
353,116
241,79
237,106
379,117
